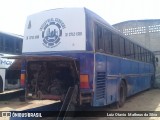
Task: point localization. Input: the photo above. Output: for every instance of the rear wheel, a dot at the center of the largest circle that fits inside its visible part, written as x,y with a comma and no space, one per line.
121,94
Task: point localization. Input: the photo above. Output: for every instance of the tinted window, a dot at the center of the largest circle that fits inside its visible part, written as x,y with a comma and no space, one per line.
148,56
110,42
127,48
122,50
136,51
142,54
115,44
99,38
139,54
7,45
107,40
132,50
18,46
145,55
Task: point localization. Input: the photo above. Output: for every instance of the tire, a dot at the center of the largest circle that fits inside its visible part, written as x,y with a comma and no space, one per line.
121,94
1,85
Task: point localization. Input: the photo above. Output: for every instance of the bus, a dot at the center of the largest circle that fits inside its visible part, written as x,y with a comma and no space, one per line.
74,46
10,45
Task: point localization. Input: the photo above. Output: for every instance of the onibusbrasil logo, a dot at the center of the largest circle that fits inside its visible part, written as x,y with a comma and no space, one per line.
52,32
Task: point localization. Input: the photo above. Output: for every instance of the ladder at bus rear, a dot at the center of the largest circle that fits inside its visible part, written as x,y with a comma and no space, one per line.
69,103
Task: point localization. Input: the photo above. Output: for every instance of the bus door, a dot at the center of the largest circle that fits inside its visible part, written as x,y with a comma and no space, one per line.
2,79
12,76
9,73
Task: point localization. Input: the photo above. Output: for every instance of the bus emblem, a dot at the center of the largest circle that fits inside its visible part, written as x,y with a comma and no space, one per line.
52,32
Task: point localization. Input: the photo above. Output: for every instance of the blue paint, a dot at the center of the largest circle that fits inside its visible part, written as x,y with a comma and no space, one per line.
134,72
137,75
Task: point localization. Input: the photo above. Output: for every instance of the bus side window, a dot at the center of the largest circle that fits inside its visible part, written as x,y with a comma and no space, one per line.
8,44
99,38
139,54
136,51
107,40
127,49
132,51
115,44
122,50
148,56
151,59
145,55
142,54
17,46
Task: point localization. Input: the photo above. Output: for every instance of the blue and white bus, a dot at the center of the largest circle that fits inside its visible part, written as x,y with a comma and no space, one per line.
10,45
76,46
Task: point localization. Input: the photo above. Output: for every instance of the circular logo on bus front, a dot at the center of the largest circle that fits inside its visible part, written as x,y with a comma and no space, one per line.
52,32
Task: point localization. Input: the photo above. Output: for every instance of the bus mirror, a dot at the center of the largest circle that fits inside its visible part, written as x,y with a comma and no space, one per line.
156,59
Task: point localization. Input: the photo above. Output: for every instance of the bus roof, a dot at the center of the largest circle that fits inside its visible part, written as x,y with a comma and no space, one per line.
71,21
12,35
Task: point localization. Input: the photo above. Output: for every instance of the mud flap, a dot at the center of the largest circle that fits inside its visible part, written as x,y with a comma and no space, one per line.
69,103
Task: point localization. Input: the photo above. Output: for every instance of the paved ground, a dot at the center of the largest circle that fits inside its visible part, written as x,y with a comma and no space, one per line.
144,101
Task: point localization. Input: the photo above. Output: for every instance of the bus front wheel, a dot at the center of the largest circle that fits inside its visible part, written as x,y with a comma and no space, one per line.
121,94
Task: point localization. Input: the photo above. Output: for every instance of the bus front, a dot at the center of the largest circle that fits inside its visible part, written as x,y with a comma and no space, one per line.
57,54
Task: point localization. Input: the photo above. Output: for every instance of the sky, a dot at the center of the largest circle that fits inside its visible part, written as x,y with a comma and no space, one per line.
13,13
